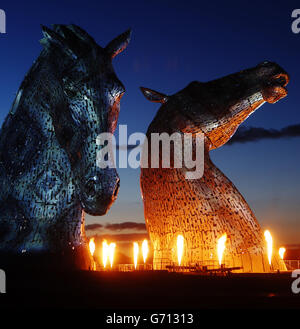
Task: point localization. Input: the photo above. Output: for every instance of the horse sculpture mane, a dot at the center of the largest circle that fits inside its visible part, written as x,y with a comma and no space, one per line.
203,209
48,171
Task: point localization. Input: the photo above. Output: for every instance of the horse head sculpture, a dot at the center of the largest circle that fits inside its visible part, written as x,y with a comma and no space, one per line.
48,146
203,209
216,108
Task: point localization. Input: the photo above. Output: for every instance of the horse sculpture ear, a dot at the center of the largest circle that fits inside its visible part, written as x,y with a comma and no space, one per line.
154,96
52,37
117,45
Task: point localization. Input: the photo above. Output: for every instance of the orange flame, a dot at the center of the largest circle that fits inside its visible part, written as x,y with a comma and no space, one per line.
145,250
180,246
282,251
135,253
92,246
221,247
104,253
111,253
269,240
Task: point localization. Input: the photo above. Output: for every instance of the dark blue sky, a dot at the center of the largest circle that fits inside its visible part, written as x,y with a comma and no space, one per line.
174,43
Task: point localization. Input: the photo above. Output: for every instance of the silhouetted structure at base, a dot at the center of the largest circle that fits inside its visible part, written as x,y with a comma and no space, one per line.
202,210
146,290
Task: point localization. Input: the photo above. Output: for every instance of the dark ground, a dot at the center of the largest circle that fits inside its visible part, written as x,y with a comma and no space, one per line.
147,290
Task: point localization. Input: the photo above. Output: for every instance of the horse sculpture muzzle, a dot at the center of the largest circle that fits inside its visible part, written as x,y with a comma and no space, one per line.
100,191
274,86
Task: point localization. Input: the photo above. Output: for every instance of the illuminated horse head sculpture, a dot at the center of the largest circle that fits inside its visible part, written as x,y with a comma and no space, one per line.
48,170
203,209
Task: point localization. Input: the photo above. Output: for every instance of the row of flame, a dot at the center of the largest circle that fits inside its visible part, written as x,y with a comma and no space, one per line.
269,241
108,250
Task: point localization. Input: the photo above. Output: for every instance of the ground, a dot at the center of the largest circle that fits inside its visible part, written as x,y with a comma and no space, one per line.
147,290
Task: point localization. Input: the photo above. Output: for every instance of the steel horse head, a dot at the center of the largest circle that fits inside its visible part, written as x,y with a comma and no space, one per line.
48,145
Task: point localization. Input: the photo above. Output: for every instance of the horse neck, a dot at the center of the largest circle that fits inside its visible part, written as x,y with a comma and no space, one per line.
209,167
35,95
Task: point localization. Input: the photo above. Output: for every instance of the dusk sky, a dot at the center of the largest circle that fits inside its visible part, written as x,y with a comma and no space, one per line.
172,44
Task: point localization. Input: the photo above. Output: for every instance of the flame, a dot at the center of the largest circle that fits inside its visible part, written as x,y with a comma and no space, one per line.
180,245
135,253
145,250
92,246
221,247
269,240
111,253
281,252
104,253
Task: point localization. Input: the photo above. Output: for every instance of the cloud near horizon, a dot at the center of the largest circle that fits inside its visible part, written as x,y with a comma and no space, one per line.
117,226
124,238
251,134
248,134
92,227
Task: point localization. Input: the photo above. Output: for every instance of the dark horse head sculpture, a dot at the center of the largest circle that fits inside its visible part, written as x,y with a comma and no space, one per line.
203,209
48,171
216,108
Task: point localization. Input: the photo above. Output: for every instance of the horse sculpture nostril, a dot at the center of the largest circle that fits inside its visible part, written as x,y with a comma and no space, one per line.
90,187
282,79
93,188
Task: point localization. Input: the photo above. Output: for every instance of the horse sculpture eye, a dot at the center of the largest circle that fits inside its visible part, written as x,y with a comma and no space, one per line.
71,93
